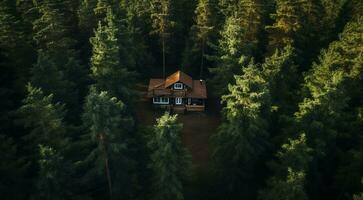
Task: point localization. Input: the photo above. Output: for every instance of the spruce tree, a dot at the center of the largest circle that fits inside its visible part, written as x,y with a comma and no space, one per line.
43,117
53,34
229,56
238,43
109,126
287,23
289,180
329,106
53,175
241,141
46,75
170,163
162,24
12,170
201,33
280,71
109,73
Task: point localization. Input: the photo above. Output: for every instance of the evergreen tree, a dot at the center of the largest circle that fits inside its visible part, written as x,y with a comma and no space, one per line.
43,118
15,50
52,29
87,22
241,141
229,56
289,180
162,23
46,75
287,23
53,175
201,33
108,71
53,34
280,71
328,107
12,168
238,43
170,163
109,126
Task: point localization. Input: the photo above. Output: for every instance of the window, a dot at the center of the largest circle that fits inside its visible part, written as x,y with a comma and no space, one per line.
178,100
161,100
178,86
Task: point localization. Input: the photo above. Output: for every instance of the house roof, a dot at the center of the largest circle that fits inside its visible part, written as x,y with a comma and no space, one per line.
179,76
158,87
199,90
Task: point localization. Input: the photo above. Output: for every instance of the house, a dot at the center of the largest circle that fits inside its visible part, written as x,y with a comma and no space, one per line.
178,92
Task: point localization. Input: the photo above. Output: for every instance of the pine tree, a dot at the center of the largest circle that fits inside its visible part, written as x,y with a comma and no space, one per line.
109,126
108,71
12,168
287,23
201,33
241,141
280,71
170,163
53,175
239,41
46,75
15,49
331,93
43,117
52,29
162,23
288,183
53,34
229,56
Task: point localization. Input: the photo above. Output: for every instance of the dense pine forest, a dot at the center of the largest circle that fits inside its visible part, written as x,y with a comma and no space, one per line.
287,76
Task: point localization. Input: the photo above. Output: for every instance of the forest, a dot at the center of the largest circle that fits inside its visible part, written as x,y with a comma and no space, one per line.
287,76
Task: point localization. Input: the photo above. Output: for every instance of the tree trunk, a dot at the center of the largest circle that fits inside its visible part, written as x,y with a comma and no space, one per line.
163,39
202,60
107,167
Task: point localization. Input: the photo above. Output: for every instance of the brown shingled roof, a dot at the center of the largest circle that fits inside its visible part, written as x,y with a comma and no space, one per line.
179,76
158,87
199,90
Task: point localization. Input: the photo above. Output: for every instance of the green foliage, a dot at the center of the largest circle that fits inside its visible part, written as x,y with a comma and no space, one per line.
53,175
287,22
43,118
242,137
47,75
109,126
328,84
108,71
52,29
170,163
11,169
280,71
289,180
201,34
229,56
358,196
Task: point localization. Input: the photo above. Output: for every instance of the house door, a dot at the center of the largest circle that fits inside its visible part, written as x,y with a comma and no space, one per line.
178,100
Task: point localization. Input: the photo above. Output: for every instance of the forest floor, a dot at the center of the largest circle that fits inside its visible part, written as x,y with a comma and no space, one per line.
197,127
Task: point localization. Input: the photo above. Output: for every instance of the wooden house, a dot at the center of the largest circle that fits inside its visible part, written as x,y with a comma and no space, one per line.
178,92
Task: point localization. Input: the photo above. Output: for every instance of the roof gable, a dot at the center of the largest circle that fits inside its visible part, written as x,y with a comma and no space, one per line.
179,76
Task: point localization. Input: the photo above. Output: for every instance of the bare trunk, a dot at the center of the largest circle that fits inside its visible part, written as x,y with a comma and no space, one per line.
202,60
163,38
107,167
